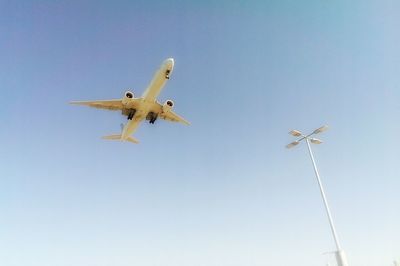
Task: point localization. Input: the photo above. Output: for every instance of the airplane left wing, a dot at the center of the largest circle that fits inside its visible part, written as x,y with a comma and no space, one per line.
171,116
107,104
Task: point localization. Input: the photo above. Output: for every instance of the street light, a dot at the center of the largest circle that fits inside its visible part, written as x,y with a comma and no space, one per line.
339,253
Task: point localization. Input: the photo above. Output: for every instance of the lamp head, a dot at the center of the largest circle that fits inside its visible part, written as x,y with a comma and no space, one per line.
316,141
295,133
321,129
291,145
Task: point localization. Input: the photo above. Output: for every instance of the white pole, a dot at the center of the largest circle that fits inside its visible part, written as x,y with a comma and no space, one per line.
340,255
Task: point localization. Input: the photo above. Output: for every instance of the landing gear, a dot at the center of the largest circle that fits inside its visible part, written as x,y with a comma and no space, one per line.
152,117
167,74
153,120
131,114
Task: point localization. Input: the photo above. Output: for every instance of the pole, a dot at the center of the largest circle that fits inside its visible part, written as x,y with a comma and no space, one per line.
340,255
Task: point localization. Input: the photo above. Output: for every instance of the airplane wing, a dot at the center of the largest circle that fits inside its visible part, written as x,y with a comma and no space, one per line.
173,117
107,104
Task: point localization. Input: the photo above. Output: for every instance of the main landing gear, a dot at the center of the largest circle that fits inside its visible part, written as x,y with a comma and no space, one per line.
153,120
152,117
131,114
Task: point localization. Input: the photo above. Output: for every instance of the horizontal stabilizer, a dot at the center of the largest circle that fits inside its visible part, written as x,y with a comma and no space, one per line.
119,137
133,140
115,137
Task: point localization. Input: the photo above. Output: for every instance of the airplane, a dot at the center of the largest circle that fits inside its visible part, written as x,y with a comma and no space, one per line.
138,109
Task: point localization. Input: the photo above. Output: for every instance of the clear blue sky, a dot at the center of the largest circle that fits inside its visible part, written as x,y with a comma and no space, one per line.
223,191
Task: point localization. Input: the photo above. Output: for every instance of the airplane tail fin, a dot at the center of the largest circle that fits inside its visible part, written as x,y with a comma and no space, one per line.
119,137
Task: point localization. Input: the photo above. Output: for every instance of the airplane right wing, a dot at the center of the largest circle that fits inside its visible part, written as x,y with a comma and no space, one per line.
107,104
171,116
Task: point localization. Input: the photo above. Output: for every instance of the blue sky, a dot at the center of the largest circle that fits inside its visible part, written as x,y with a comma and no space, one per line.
223,191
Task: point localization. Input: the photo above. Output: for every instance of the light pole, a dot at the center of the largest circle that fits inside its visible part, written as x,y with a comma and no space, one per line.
339,253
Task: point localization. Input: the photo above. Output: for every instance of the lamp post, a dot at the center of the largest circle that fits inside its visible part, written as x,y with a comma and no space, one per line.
339,253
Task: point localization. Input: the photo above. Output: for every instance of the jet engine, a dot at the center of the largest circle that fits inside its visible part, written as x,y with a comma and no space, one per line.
167,106
128,97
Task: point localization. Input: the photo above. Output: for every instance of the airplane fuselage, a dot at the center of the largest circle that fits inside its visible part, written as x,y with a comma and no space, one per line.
148,99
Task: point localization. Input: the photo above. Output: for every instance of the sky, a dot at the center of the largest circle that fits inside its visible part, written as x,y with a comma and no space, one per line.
223,191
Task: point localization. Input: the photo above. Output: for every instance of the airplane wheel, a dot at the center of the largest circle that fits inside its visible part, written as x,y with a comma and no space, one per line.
131,114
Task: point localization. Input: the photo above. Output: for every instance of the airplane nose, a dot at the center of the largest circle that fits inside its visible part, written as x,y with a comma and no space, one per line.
169,62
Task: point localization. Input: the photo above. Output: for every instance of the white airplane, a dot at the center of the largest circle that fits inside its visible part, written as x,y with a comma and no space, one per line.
146,107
